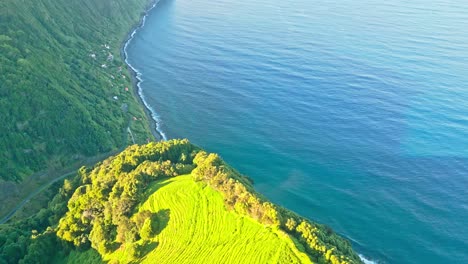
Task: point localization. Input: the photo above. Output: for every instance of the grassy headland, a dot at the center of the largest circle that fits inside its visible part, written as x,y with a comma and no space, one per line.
167,202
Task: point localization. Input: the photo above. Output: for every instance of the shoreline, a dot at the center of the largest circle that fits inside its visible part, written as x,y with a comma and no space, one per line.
47,176
135,75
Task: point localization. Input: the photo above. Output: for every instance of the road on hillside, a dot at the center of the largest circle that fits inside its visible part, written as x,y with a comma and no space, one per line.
63,176
36,192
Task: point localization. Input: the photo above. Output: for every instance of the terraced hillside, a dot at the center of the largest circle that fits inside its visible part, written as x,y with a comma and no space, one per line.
199,229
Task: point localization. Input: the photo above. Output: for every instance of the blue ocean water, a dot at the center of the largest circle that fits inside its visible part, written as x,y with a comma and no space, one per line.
351,113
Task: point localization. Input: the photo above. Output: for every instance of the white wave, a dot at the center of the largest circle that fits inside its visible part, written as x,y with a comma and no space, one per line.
154,114
366,261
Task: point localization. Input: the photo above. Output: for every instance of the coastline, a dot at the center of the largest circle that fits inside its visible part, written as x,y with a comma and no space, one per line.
151,115
39,180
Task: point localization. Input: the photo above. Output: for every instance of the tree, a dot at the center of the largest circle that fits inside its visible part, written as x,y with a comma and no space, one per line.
100,237
126,231
141,217
291,224
147,230
134,250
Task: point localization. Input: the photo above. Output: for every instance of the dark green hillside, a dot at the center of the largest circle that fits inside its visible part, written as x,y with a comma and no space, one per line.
56,98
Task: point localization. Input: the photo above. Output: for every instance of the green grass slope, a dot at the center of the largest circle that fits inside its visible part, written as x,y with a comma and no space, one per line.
199,229
56,99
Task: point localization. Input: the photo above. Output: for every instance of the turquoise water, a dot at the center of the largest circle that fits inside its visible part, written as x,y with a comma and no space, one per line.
352,113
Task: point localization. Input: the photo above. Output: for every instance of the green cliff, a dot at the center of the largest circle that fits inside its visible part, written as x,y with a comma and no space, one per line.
167,202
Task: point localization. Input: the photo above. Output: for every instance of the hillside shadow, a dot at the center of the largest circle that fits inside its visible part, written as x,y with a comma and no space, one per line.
147,247
163,216
300,246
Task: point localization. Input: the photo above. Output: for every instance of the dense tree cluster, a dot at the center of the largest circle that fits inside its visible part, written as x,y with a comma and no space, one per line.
30,241
58,79
237,190
102,211
322,243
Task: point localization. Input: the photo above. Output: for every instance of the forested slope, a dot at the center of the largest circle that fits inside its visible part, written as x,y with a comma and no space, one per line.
62,82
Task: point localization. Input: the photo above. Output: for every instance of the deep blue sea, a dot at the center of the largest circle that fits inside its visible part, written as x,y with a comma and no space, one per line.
351,113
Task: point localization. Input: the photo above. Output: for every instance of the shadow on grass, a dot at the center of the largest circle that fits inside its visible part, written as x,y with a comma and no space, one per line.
163,216
300,246
160,221
147,247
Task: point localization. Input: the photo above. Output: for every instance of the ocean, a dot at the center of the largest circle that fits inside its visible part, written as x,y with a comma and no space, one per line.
351,113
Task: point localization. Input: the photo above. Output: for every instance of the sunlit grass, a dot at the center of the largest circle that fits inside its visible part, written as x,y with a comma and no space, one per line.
199,229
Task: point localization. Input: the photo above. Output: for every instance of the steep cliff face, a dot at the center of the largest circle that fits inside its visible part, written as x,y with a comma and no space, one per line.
62,82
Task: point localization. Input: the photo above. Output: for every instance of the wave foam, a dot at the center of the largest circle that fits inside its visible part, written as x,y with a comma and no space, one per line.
366,261
139,80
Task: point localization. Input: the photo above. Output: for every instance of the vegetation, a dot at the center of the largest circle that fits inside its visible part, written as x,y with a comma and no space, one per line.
195,227
101,211
32,240
171,202
60,70
323,245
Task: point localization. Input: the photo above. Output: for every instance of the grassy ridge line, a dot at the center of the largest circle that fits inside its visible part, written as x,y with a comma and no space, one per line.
56,100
